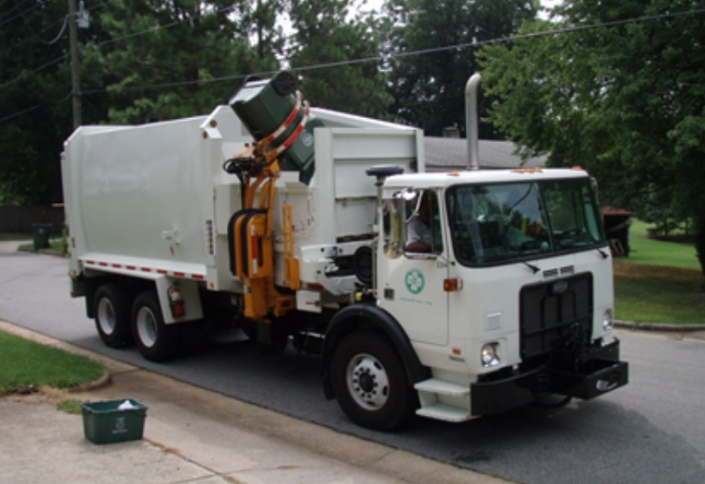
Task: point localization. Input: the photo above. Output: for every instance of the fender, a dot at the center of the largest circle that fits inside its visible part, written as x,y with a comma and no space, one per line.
364,316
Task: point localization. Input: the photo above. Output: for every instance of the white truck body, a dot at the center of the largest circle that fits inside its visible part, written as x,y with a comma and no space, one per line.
153,201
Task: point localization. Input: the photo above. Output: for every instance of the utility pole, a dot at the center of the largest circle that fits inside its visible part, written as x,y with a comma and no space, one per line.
75,75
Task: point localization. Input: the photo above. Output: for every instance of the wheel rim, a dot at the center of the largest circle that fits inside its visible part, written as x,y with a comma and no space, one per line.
106,316
368,382
146,327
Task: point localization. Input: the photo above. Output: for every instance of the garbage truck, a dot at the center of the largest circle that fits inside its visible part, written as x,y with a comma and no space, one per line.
449,295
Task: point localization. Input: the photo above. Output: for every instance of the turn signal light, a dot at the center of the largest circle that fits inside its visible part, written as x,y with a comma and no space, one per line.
452,285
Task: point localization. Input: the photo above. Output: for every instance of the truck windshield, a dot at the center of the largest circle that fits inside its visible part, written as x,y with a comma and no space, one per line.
497,223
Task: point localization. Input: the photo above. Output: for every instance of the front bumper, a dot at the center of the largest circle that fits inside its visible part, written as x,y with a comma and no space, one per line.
599,373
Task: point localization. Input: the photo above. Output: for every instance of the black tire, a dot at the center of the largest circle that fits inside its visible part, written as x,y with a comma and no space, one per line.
155,340
369,382
111,305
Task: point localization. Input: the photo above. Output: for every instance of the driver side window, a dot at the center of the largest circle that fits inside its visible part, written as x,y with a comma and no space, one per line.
423,226
412,223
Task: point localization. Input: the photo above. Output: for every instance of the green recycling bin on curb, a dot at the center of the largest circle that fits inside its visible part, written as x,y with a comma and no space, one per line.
113,421
41,235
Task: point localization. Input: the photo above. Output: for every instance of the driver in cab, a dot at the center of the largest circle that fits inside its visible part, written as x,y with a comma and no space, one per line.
419,235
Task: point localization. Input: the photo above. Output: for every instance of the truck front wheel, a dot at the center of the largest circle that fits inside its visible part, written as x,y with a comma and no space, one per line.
155,340
112,315
369,382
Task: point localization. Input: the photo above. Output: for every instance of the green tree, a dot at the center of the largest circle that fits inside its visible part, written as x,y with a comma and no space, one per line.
35,110
325,37
429,88
261,20
140,61
165,57
621,97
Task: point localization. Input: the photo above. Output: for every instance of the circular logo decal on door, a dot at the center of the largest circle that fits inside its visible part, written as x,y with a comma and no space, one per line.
414,281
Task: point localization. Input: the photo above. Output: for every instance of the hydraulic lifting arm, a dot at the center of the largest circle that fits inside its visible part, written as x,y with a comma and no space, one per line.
250,229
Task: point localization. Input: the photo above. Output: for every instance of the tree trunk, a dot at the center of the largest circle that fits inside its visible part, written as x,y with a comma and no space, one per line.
699,230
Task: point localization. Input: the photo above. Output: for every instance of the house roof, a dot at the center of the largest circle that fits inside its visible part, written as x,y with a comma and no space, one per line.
444,154
616,211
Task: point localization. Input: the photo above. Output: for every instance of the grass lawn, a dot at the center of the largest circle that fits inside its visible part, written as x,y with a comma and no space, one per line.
4,236
55,245
660,282
657,294
24,363
26,241
658,252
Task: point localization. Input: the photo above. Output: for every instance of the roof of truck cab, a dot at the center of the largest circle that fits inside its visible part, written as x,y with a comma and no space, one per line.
422,180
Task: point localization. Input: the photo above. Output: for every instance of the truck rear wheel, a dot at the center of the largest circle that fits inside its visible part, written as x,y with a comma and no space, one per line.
154,339
112,315
369,382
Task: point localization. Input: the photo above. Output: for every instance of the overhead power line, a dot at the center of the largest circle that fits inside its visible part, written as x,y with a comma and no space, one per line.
20,14
34,108
113,40
35,36
17,5
58,36
25,74
61,20
499,40
432,50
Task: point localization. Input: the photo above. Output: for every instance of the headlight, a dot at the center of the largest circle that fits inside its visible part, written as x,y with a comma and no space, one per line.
607,320
489,355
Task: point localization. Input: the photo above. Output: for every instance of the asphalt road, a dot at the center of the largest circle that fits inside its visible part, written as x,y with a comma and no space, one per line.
650,431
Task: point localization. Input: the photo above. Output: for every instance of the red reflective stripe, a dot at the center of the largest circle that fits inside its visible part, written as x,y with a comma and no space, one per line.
165,272
287,122
293,136
253,244
292,116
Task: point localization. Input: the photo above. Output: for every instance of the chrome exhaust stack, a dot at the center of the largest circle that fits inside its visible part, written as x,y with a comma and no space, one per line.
471,121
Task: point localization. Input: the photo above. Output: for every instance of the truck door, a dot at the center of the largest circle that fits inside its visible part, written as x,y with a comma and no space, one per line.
414,266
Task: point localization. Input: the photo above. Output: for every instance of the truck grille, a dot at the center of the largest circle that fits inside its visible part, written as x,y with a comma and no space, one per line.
554,315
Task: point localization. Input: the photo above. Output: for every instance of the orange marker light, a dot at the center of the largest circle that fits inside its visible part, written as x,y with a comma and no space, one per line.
451,285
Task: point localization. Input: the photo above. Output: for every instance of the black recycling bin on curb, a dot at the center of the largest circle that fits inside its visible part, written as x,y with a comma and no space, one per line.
41,235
